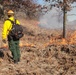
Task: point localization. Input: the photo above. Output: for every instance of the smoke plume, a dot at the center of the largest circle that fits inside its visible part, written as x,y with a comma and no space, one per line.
53,19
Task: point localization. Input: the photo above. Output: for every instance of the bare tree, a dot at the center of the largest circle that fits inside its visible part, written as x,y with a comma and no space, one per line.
66,6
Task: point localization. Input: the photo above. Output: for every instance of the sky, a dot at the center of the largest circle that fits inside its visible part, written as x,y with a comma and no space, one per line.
40,2
71,15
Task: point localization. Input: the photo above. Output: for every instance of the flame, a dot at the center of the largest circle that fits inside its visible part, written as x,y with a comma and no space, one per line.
29,45
53,40
64,41
26,44
5,45
22,44
57,41
73,38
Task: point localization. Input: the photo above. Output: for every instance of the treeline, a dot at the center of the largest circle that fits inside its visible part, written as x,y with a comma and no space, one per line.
29,7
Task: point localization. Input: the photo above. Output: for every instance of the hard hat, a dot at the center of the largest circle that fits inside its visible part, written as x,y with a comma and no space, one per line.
10,12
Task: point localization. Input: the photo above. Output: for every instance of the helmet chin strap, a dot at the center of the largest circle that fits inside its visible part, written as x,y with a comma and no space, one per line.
9,16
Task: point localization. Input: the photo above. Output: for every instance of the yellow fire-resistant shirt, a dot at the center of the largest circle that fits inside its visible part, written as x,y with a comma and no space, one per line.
7,27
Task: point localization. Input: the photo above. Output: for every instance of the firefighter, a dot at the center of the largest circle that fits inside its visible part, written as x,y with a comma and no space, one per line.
12,42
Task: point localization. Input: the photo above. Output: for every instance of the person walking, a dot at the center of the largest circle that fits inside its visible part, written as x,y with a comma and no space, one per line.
13,43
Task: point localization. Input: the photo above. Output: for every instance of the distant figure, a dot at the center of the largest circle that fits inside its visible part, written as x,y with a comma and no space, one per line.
13,43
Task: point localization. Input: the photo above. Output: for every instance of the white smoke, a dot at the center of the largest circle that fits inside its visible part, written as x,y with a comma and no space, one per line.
52,19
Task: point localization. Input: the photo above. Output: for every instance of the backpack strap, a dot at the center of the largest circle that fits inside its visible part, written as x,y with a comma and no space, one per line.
13,22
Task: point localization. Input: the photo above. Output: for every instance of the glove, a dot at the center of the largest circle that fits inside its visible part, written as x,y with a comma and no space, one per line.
4,41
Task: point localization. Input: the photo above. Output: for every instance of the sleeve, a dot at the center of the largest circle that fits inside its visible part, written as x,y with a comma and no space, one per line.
4,30
18,22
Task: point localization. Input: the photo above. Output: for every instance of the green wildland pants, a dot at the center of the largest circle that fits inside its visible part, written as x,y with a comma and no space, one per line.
14,48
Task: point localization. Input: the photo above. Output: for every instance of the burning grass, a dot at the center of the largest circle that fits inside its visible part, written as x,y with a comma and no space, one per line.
45,40
58,40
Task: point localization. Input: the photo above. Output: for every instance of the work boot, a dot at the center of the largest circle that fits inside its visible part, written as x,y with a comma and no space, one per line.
15,61
18,59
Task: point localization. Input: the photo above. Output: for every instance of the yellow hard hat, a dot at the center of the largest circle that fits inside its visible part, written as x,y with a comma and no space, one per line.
10,12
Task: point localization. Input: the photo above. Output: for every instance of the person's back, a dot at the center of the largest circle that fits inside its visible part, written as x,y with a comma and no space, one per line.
13,44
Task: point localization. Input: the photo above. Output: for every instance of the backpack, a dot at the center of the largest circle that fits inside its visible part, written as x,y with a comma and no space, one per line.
16,31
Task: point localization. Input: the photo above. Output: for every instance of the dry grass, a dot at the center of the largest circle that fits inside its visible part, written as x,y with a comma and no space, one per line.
36,58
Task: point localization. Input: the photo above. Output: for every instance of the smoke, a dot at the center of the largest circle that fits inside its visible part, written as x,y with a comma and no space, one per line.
53,19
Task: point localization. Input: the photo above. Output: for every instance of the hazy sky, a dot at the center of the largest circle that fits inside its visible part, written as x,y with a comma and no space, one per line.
70,15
